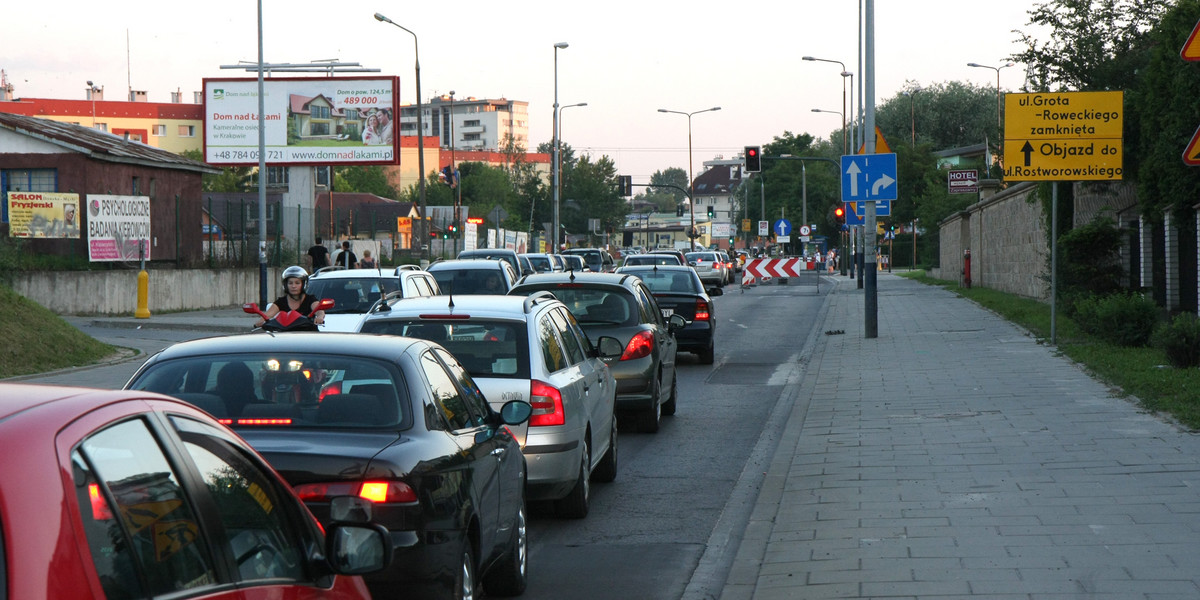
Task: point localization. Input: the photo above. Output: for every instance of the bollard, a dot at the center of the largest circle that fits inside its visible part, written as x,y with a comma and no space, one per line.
143,295
967,268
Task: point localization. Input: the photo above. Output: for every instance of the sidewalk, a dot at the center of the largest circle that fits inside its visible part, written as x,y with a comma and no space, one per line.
217,320
954,456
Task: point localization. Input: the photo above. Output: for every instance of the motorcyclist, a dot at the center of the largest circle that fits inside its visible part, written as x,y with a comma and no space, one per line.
294,297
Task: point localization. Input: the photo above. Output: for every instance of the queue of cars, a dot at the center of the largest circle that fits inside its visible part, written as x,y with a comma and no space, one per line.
467,391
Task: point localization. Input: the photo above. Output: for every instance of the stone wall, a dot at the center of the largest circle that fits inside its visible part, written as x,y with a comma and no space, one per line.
1006,235
115,292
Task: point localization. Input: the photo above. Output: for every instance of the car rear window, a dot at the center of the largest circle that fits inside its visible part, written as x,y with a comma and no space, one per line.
468,282
286,390
652,259
486,348
701,256
541,264
593,305
666,282
352,295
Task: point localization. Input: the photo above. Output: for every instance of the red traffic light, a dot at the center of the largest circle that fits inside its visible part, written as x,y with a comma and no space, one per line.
839,212
752,152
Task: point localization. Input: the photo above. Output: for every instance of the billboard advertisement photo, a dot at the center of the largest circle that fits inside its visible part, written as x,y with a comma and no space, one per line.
307,121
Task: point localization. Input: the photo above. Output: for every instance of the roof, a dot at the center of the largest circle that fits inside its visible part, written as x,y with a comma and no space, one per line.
579,277
323,342
474,305
718,180
464,264
100,145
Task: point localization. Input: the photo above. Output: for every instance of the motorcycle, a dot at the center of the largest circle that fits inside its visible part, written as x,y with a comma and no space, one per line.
291,320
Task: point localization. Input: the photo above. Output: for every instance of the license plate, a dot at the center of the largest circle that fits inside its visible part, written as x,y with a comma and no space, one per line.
667,312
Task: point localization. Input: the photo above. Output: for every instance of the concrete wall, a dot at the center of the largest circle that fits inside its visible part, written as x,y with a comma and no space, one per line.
115,292
1006,235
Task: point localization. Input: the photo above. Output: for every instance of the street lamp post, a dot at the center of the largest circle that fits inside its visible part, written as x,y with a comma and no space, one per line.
92,91
845,74
999,130
691,179
423,233
558,136
556,221
845,149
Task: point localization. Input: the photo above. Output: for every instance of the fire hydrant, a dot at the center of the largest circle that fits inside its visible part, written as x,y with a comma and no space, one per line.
967,268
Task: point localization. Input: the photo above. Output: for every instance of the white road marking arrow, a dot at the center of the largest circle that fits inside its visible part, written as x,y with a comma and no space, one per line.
853,172
881,183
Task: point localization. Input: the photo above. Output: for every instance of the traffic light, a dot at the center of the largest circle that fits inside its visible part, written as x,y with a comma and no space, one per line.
753,159
625,185
712,212
679,210
839,214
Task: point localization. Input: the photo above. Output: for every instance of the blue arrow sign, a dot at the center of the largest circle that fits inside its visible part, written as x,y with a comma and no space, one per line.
868,177
782,227
883,208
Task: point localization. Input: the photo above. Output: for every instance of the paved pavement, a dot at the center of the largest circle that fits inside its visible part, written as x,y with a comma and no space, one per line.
955,456
952,456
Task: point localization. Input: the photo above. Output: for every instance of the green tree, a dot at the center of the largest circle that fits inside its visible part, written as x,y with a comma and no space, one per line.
365,180
590,192
945,115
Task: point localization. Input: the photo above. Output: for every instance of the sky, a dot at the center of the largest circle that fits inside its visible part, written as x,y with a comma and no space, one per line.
626,59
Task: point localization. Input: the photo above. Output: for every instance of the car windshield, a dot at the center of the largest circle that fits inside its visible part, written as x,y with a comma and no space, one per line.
468,282
592,258
485,348
352,295
594,306
667,282
541,264
286,390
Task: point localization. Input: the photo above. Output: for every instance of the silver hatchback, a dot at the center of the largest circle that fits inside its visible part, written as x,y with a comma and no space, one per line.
529,349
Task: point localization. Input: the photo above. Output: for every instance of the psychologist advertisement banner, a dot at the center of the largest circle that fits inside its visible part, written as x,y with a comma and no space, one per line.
307,121
116,226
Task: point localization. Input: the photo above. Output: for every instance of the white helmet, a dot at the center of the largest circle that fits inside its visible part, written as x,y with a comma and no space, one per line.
295,271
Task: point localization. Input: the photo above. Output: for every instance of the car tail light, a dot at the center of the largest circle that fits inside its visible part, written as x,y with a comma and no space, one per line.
444,317
640,345
701,311
284,421
547,405
394,492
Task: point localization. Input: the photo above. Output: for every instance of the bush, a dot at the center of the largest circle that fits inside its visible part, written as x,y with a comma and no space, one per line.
1180,340
1123,320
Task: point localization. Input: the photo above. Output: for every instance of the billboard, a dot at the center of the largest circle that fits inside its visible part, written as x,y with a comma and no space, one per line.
43,215
307,121
116,226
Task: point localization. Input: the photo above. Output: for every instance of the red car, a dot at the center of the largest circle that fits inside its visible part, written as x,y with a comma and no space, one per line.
127,494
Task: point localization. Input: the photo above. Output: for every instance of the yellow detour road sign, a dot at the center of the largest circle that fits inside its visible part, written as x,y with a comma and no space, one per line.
745,224
1063,136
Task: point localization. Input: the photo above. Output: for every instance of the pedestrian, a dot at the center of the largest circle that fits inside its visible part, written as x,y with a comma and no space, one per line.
318,256
367,262
346,258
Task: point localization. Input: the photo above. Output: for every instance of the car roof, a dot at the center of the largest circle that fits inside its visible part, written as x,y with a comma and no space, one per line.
16,398
630,268
475,306
463,264
487,251
580,277
339,273
352,344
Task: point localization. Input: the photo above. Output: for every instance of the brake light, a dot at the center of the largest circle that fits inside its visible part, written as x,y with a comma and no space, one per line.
701,311
547,405
264,421
442,317
396,492
640,345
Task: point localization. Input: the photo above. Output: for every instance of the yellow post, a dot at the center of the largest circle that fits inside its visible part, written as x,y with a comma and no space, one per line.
143,295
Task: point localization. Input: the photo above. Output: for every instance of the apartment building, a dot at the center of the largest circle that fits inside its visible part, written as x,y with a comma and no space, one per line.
476,124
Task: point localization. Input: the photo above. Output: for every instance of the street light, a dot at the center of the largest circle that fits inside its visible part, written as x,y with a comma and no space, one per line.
557,225
999,131
420,127
92,91
691,180
845,74
558,136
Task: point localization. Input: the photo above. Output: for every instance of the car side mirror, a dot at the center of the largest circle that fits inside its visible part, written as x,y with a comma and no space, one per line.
676,322
716,292
609,347
357,549
515,412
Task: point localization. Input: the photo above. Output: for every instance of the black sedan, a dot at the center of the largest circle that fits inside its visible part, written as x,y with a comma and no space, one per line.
396,421
679,291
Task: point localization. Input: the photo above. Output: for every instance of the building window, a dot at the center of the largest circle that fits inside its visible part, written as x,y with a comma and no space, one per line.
187,131
102,127
471,123
319,112
29,180
277,176
319,128
323,176
471,137
159,131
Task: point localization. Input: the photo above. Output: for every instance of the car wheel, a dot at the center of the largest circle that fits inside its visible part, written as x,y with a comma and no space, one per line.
649,419
706,357
668,407
606,471
575,504
510,576
464,582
